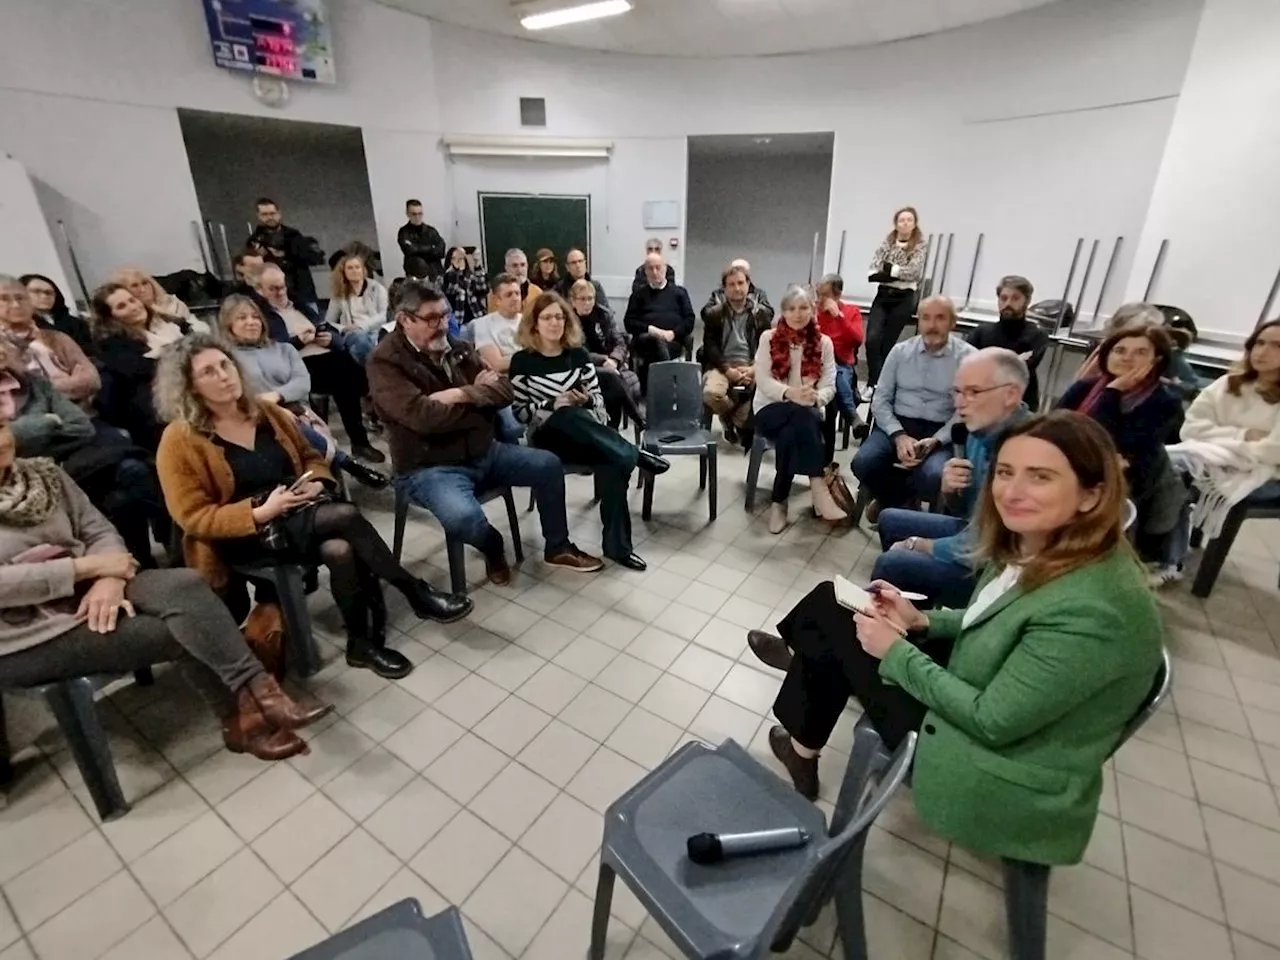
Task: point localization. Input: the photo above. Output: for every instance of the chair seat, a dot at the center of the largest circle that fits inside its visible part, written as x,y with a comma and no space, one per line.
693,440
722,909
400,932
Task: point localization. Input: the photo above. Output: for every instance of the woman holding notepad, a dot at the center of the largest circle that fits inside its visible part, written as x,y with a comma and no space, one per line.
1020,697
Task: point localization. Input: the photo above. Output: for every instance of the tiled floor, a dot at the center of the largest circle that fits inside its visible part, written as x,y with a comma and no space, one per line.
480,779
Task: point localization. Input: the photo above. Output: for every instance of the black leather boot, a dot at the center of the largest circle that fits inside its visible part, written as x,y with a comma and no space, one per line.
432,604
364,649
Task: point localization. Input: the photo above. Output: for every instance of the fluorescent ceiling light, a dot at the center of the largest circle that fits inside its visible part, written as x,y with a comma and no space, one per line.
575,13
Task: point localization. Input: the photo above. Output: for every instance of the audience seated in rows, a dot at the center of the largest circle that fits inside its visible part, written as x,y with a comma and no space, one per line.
1230,446
902,458
130,338
515,264
733,321
1020,697
333,371
52,312
43,351
897,267
276,374
420,241
243,485
607,346
1014,331
1141,414
842,323
546,272
150,294
466,288
931,553
357,307
575,269
553,380
75,603
289,249
795,378
659,316
652,245
440,404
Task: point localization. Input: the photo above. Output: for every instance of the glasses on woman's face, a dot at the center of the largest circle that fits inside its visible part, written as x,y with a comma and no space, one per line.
585,300
552,316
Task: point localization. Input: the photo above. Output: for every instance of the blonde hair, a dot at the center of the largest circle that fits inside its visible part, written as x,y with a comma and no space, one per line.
527,332
176,399
582,286
226,314
342,288
127,276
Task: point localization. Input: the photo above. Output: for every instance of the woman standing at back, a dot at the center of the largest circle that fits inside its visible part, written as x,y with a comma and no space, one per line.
897,266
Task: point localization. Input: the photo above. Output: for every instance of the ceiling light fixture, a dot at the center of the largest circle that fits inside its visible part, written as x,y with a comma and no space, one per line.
560,15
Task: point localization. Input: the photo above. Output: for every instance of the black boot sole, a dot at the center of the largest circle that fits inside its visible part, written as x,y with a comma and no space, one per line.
385,673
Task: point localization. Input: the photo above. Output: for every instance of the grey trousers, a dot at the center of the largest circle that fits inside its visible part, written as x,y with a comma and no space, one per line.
177,618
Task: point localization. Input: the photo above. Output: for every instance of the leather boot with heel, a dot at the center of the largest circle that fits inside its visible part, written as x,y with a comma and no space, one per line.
367,639
248,731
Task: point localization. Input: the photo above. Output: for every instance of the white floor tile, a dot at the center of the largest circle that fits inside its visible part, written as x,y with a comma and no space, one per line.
345,878
222,902
303,836
515,900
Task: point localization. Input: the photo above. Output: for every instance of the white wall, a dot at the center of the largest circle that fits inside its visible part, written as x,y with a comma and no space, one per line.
1219,189
24,237
763,208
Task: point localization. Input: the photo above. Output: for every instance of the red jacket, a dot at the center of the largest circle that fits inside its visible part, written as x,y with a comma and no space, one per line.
845,332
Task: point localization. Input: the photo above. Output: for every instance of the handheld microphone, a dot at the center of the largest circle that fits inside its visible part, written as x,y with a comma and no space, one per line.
708,848
959,437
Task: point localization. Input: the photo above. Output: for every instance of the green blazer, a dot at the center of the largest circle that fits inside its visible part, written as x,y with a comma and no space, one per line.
1029,707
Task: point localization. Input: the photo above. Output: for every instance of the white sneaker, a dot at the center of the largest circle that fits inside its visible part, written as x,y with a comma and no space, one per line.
1163,575
777,517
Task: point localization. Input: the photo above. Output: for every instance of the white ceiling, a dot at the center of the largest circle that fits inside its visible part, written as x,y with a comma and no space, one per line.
718,28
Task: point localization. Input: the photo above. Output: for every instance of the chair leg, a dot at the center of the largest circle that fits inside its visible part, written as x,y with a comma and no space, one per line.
753,476
300,649
513,518
6,768
457,565
529,509
402,518
850,921
600,915
72,704
712,480
702,473
646,507
1026,904
859,506
1215,554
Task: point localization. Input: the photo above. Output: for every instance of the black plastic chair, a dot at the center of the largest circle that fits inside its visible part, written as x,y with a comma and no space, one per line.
1215,554
452,545
400,932
674,408
302,655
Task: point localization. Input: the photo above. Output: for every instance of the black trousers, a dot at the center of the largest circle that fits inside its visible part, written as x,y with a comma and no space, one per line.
796,433
891,311
339,375
578,438
830,665
618,398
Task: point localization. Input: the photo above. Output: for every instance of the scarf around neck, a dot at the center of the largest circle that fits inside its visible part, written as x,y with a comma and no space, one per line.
30,492
1129,401
785,339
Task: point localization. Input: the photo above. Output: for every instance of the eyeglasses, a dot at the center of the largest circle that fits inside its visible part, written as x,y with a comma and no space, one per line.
973,393
431,319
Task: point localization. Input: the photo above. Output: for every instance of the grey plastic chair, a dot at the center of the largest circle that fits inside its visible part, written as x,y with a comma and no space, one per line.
1215,554
452,545
1026,885
674,409
759,446
400,932
742,908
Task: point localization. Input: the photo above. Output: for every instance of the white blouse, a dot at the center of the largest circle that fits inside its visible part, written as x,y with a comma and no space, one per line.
993,591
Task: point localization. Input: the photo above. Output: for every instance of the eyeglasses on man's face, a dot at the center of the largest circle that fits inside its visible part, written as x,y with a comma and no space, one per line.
973,393
431,318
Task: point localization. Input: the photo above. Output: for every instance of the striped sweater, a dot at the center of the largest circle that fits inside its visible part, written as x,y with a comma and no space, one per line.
537,380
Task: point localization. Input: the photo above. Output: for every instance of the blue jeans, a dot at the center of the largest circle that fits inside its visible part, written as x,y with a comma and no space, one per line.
873,465
450,492
510,430
360,343
846,389
945,584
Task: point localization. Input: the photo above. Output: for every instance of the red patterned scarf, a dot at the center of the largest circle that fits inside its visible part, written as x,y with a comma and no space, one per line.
781,344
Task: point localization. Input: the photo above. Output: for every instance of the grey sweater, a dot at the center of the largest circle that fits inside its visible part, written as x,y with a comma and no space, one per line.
38,600
276,367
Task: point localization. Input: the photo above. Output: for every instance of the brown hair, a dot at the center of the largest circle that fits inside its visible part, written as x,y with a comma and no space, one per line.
341,287
916,236
1154,334
104,322
730,270
230,307
1092,534
545,254
1243,371
502,279
176,399
527,333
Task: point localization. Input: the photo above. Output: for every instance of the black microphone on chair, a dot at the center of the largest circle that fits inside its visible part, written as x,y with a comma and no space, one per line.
959,437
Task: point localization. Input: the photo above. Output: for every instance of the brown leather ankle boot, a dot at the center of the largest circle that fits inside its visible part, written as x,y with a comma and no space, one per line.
247,731
281,710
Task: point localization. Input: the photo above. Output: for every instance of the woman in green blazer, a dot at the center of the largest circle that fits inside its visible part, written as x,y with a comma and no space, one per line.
1020,697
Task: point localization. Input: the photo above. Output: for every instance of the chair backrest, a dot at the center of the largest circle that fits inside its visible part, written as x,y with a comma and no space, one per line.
1160,688
814,887
675,395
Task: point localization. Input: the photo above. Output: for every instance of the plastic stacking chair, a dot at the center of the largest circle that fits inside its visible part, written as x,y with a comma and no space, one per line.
742,908
1026,885
1215,554
399,932
759,446
452,545
301,652
674,409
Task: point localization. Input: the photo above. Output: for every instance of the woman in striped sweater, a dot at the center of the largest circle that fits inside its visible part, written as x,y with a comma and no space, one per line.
558,396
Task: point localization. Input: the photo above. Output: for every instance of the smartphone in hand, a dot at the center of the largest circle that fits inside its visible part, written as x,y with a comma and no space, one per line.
298,484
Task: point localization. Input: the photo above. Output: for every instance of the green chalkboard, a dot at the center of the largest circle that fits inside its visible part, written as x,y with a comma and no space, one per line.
530,221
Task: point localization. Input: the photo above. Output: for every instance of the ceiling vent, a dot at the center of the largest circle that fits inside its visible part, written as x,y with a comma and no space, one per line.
533,111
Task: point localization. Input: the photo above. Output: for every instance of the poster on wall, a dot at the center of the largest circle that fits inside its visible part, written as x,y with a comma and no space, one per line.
290,39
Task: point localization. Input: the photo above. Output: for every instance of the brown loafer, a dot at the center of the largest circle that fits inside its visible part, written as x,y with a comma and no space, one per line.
281,710
571,558
497,570
247,731
769,649
804,773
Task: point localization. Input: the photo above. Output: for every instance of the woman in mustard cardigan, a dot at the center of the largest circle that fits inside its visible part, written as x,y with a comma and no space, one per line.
1020,697
231,467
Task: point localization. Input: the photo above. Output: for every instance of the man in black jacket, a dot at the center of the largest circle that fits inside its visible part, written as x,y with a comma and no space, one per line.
423,241
1015,331
294,252
732,322
652,245
659,316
